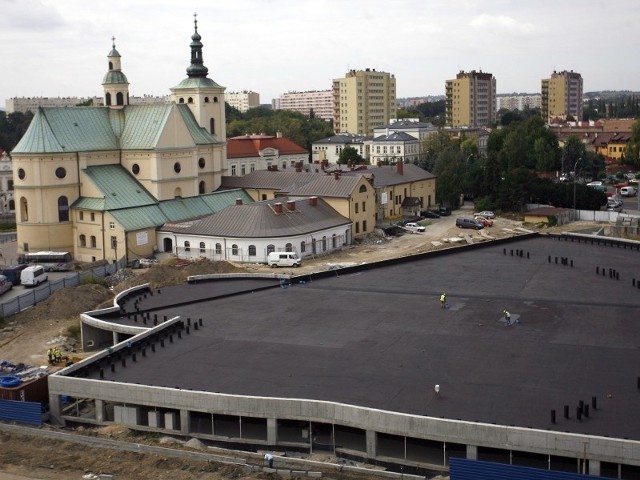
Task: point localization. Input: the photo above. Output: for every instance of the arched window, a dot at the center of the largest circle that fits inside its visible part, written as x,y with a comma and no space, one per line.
215,99
270,248
206,99
288,248
181,100
110,66
187,246
119,98
21,173
83,240
201,187
252,250
334,241
202,249
24,210
190,100
177,167
313,246
218,249
177,193
303,246
212,126
63,209
201,162
324,244
93,241
234,249
363,189
107,98
12,204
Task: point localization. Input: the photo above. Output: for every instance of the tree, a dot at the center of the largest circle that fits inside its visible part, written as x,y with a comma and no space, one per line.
450,170
350,155
632,150
12,127
573,151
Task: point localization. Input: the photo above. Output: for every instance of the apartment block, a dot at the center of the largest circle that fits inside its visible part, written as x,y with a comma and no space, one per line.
31,104
518,101
471,100
363,100
320,102
562,96
243,101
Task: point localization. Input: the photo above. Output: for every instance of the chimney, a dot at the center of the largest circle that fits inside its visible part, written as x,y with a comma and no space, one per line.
313,201
291,205
278,134
238,201
277,207
400,167
337,174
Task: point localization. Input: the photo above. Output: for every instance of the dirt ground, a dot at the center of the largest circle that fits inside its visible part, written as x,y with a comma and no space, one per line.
25,338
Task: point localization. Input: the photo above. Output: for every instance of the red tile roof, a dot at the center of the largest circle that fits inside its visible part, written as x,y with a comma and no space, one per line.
251,145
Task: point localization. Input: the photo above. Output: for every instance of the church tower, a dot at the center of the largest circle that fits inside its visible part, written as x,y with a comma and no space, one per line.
115,83
204,97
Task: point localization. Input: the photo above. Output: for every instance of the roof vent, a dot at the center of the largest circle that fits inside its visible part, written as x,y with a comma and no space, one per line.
277,207
313,201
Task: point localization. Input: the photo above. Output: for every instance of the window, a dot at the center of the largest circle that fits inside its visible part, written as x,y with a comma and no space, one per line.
107,97
206,99
119,98
93,241
187,246
270,248
243,169
63,209
177,167
334,241
201,162
81,215
324,244
83,241
177,193
288,248
190,100
202,249
135,168
364,207
363,189
201,187
233,170
234,249
252,250
181,100
114,243
218,249
364,225
303,247
93,217
212,126
357,227
21,173
356,206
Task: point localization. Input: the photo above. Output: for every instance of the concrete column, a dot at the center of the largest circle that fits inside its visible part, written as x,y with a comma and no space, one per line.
594,467
371,444
55,410
100,411
115,338
184,422
472,452
272,431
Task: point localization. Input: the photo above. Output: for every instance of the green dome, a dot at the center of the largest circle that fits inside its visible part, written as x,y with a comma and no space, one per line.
115,77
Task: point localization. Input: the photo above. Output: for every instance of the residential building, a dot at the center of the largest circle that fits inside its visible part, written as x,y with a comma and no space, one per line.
415,101
31,104
471,100
316,102
7,202
395,147
351,195
329,149
91,180
248,153
363,100
562,96
249,232
518,101
243,101
411,126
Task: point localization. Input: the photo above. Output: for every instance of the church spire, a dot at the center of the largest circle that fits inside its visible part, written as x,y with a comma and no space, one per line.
115,83
197,68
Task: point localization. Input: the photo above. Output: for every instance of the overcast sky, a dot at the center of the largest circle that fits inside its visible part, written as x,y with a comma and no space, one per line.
59,47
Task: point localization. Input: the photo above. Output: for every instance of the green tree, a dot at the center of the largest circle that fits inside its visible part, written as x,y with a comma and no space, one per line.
632,150
450,170
12,127
573,151
350,155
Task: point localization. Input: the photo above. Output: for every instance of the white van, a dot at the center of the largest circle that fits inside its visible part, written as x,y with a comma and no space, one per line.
283,259
33,276
628,191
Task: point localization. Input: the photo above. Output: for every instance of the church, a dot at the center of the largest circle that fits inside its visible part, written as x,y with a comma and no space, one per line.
98,181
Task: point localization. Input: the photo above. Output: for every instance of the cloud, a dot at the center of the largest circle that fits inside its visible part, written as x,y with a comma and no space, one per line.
30,15
502,24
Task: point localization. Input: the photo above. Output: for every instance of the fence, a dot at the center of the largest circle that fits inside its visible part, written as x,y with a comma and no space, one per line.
38,294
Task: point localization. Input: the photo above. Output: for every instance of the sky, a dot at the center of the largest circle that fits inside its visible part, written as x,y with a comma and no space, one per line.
58,48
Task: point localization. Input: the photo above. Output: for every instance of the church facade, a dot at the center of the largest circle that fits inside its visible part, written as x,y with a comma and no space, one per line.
98,181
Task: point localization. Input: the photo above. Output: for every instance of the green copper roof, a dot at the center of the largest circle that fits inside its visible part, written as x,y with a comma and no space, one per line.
68,129
143,126
115,77
199,135
118,187
197,82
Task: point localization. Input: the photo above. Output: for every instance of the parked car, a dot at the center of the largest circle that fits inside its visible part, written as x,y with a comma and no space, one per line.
444,211
485,214
628,191
5,284
469,223
614,205
414,227
485,221
13,273
429,214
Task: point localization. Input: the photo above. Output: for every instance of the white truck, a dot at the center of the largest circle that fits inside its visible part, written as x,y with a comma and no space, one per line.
414,227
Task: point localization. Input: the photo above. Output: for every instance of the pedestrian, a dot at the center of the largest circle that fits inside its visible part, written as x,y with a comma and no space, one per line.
58,355
50,356
507,317
269,459
443,300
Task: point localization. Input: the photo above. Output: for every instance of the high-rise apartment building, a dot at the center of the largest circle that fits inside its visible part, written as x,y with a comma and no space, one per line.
320,102
562,96
363,100
243,101
471,100
518,101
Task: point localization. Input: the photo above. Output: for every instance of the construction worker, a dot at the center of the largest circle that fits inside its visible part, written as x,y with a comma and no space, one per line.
507,317
58,355
443,300
50,356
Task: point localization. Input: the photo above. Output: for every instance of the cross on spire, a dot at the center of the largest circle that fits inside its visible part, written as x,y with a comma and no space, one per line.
195,21
113,39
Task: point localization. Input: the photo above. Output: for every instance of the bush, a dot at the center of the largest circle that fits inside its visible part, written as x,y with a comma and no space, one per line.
92,279
73,331
483,203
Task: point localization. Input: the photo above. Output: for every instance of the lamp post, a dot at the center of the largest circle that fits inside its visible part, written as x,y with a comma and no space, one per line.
575,174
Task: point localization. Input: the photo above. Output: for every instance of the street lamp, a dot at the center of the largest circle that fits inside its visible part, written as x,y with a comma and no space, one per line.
575,172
